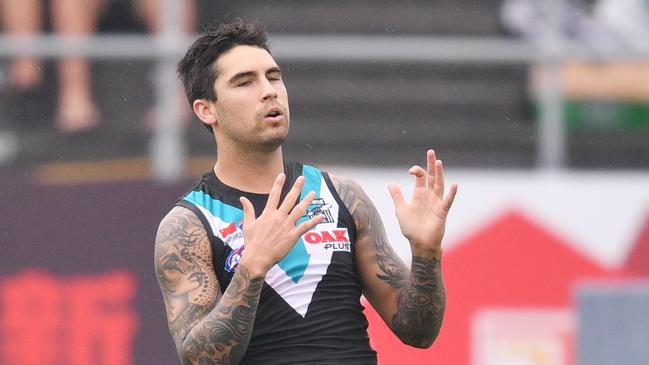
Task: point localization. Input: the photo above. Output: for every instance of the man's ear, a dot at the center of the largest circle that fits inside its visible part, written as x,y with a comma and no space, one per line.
204,110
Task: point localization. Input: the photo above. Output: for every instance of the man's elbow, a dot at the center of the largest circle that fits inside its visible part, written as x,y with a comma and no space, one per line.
421,338
419,342
192,350
186,349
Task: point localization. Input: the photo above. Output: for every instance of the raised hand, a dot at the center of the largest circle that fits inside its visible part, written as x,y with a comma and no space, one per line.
269,237
422,220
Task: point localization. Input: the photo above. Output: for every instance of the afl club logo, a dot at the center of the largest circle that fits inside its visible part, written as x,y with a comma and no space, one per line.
232,261
320,207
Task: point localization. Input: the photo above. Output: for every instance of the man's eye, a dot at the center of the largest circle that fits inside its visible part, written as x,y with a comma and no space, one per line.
245,83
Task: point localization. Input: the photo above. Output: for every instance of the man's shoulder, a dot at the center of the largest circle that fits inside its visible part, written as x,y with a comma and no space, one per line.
178,213
336,179
344,184
178,222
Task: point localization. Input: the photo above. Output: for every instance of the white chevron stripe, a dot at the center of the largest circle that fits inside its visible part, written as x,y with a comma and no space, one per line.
298,295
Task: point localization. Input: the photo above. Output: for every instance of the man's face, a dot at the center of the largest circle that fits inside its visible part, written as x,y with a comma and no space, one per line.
252,103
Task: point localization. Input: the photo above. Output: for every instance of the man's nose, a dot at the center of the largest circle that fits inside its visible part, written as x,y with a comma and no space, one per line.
269,91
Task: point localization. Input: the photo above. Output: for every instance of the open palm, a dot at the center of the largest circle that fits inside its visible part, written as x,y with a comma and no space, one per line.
422,220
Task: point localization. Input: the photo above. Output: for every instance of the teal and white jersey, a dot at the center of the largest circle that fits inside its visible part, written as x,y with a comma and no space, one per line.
309,310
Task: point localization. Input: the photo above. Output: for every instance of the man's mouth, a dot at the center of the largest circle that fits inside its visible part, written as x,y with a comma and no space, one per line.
274,115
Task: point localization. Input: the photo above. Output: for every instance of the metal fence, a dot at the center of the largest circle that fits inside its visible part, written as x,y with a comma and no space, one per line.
167,144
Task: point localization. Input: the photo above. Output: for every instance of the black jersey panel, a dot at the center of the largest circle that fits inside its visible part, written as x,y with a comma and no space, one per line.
315,316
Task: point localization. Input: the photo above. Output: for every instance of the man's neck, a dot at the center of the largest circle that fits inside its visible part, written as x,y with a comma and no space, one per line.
250,171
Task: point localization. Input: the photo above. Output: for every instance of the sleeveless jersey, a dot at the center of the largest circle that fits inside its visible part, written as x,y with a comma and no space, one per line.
309,310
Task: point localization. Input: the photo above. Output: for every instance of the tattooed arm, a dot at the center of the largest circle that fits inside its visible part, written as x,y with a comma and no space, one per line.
410,302
207,327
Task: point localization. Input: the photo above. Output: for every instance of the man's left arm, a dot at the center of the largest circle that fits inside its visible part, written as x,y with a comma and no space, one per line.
411,302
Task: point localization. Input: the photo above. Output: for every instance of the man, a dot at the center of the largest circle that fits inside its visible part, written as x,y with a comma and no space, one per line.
265,260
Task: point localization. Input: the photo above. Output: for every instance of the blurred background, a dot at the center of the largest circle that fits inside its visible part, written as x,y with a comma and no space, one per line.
540,111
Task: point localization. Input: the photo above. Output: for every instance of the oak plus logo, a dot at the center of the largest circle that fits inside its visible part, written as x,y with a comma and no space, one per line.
336,239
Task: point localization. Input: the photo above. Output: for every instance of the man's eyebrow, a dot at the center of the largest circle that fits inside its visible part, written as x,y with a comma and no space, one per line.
244,74
275,69
241,75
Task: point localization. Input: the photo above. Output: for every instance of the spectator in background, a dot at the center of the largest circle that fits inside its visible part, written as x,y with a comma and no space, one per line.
602,26
76,108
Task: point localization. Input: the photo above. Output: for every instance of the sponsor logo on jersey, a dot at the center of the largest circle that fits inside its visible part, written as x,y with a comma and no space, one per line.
231,233
228,230
332,239
232,261
319,207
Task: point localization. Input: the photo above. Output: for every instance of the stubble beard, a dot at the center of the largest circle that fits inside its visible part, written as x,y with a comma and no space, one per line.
271,143
257,141
260,138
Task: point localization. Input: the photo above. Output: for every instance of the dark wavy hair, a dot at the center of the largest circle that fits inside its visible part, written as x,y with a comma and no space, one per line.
196,69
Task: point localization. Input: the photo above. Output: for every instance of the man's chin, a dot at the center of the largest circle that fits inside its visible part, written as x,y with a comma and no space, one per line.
274,140
272,144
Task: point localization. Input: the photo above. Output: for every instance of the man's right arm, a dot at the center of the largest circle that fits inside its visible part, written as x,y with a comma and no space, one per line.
206,327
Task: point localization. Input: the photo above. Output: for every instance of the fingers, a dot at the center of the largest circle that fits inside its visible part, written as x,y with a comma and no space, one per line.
438,188
450,198
306,226
420,176
292,196
431,168
396,194
300,209
248,211
275,192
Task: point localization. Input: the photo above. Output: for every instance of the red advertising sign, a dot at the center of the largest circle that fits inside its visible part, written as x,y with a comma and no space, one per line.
78,320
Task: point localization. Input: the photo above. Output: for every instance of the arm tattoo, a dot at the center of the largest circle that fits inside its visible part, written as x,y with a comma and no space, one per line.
223,336
421,305
184,271
420,296
368,223
206,327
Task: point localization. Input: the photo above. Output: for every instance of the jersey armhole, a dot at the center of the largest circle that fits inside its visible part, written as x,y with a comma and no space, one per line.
206,225
343,211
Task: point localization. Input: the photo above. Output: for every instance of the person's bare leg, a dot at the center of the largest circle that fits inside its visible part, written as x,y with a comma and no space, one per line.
24,18
151,12
76,110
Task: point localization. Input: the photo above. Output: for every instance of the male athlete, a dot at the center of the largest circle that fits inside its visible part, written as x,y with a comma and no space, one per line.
264,260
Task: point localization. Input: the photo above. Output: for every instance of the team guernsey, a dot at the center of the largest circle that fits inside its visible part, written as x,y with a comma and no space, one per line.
309,311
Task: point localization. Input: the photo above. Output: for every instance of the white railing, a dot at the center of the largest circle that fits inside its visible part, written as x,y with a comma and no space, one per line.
167,145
